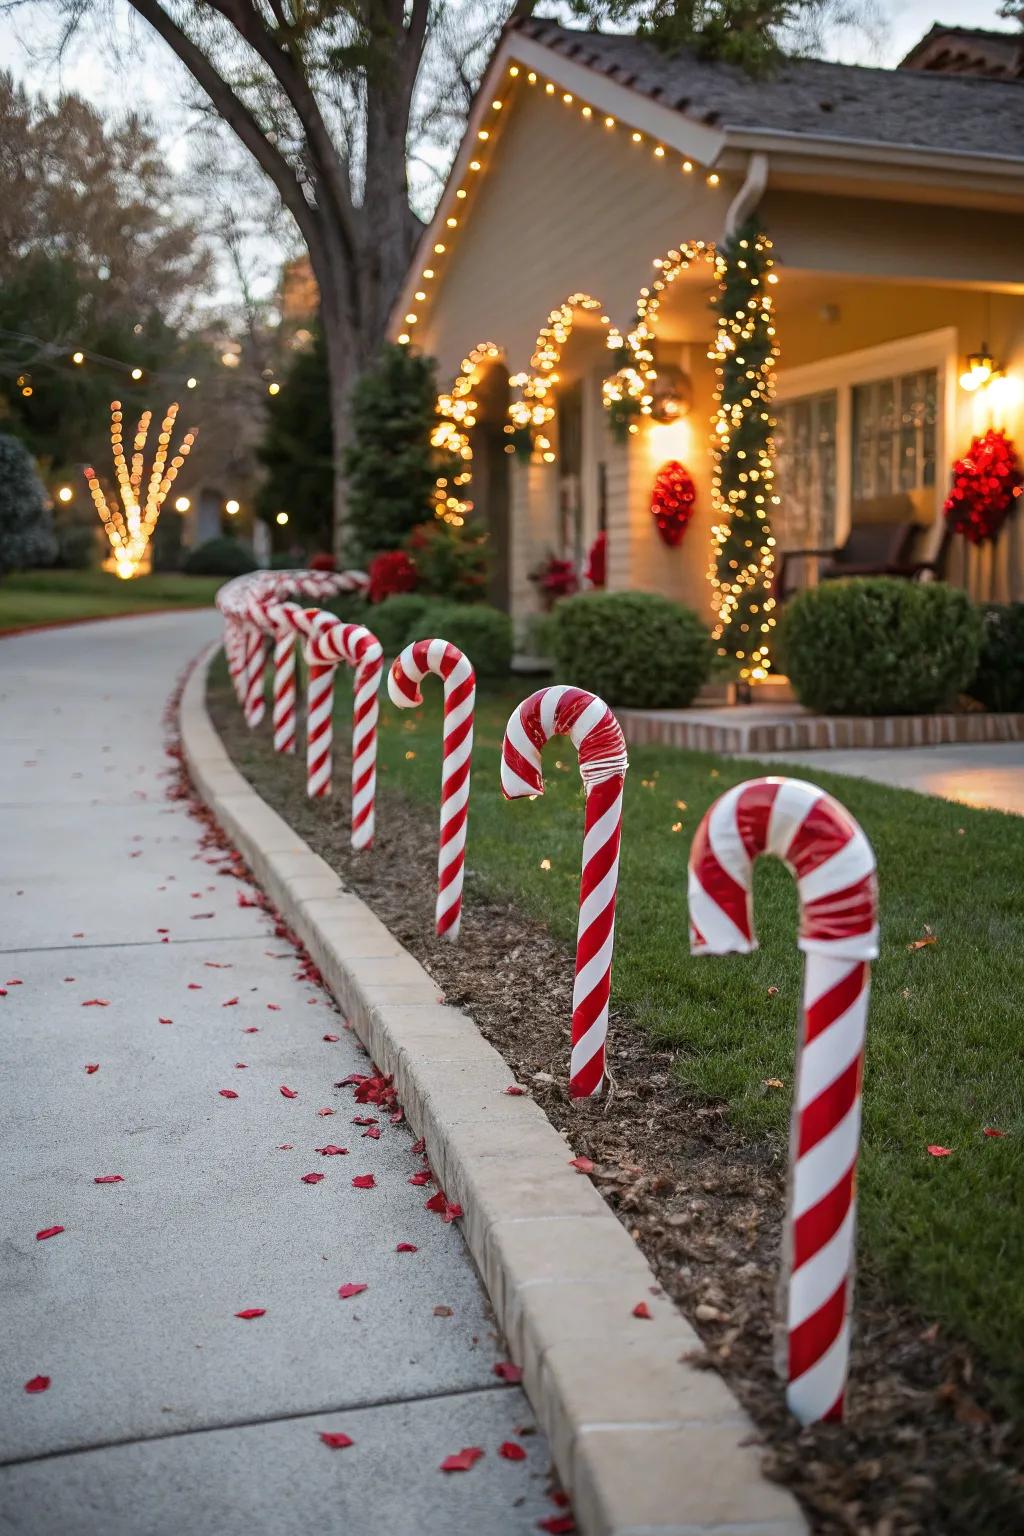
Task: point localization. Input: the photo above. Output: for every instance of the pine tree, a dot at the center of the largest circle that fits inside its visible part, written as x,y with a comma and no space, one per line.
390,463
26,523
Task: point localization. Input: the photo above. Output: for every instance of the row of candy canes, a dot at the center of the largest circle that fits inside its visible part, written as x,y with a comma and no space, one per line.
808,830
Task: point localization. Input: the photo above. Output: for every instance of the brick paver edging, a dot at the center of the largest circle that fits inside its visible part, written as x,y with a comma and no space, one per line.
700,732
647,1444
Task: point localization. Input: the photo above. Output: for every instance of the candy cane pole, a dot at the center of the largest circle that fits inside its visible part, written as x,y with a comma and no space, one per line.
597,737
330,642
284,691
255,670
448,662
822,845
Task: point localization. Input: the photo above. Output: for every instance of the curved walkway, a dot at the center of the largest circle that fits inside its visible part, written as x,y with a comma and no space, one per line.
136,995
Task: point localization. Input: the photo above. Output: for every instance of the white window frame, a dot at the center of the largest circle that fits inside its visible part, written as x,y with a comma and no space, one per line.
910,354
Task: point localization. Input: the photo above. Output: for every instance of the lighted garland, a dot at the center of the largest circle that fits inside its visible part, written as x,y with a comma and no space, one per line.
129,525
628,393
535,408
457,414
743,451
986,483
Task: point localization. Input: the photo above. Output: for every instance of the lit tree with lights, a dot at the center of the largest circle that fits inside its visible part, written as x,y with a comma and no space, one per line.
130,515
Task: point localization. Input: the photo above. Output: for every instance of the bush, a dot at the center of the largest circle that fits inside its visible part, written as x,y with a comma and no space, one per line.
350,607
631,648
26,524
393,620
451,561
390,463
483,632
999,681
222,556
76,547
166,546
879,646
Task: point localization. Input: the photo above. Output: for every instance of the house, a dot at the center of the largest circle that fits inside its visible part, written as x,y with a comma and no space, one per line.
591,221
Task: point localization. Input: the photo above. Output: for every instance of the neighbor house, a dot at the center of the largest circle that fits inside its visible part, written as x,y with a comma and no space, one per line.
600,179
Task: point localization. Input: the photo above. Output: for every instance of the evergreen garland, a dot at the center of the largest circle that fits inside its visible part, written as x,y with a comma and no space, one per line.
743,480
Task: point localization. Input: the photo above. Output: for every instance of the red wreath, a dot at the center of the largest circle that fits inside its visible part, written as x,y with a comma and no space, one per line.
986,483
597,561
673,500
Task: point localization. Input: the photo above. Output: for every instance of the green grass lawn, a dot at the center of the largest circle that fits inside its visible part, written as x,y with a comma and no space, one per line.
52,597
945,1054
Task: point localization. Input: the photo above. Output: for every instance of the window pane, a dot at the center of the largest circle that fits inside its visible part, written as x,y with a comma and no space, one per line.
805,468
894,435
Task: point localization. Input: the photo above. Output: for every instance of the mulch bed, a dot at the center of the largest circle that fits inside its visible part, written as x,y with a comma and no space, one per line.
923,1451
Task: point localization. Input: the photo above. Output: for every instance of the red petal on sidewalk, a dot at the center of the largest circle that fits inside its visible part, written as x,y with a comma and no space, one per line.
108,1178
349,1289
511,1451
38,1384
581,1164
230,1002
642,1310
288,1093
336,1440
96,1002
364,1181
227,1093
557,1525
165,1021
406,1248
47,1232
507,1371
248,1313
514,1091
332,1039
91,1067
331,1150
463,1460
322,1112
313,1178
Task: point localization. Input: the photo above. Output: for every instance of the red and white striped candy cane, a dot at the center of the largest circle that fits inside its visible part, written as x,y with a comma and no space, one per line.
255,666
407,672
597,737
284,691
822,845
331,641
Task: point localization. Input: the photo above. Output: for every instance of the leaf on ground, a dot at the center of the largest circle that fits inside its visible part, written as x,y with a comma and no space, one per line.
336,1440
581,1164
990,1130
231,1002
227,1093
332,1039
195,986
323,1112
373,1133
218,965
557,1525
331,1150
274,1007
937,1151
515,1091
96,1002
248,1313
364,1181
288,1093
91,1067
462,1460
364,1119
165,1021
443,1311
447,1209
46,1232
418,1146
108,1178
406,1248
38,1384
642,1310
511,1451
507,1371
350,1289
251,1029
313,1178
925,940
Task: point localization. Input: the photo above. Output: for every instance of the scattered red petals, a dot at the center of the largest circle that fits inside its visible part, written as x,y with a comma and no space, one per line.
38,1384
331,1150
462,1460
349,1289
373,1133
557,1525
447,1209
285,1146
323,1112
511,1451
195,986
96,1002
364,1119
231,1002
418,1146
251,1029
274,1007
165,1021
313,1178
642,1310
581,1164
423,1177
47,1232
406,1248
288,1093
108,1178
91,1067
990,1130
940,1151
507,1371
227,1093
248,1313
218,965
336,1440
364,1181
16,983
332,1039
514,1091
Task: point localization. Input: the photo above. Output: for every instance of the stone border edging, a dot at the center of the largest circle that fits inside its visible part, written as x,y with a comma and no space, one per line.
696,731
646,1443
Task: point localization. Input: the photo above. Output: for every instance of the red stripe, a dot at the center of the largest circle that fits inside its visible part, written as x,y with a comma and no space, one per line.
588,1078
842,914
753,813
831,1005
823,833
721,888
819,1225
815,1335
825,1112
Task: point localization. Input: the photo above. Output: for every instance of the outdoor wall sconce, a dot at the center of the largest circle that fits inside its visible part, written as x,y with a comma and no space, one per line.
981,369
671,394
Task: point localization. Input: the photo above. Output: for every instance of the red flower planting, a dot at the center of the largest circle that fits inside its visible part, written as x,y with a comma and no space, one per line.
391,573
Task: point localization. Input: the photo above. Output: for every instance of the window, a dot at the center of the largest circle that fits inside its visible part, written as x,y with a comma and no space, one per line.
894,424
805,469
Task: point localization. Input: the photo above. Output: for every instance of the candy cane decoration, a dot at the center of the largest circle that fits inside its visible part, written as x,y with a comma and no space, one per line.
284,691
329,643
448,662
597,737
255,669
822,845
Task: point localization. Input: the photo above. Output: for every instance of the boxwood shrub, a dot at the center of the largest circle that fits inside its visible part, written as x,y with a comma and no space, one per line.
879,646
394,618
999,681
631,648
483,632
222,556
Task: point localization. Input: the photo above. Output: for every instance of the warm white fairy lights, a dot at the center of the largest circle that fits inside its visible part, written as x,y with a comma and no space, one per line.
534,407
457,415
129,524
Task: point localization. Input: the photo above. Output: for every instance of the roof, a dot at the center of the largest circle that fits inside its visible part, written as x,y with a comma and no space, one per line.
907,108
966,50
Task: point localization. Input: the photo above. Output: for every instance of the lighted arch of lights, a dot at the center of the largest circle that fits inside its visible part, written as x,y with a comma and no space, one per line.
457,415
534,407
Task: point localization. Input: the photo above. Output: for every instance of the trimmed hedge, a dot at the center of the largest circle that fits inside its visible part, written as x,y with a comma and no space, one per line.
222,556
632,648
999,680
879,646
393,619
483,632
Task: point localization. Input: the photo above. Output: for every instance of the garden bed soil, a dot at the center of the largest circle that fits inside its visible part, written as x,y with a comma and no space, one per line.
924,1450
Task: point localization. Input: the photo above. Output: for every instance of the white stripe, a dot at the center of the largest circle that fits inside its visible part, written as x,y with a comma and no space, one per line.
813,1283
820,1169
435,655
585,722
847,867
829,1054
724,840
794,801
811,1396
594,972
719,933
588,1046
549,702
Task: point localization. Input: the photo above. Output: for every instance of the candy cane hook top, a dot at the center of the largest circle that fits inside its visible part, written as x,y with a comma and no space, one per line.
330,642
597,737
822,845
407,672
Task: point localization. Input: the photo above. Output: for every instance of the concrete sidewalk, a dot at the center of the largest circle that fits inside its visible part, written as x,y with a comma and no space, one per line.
987,775
123,949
